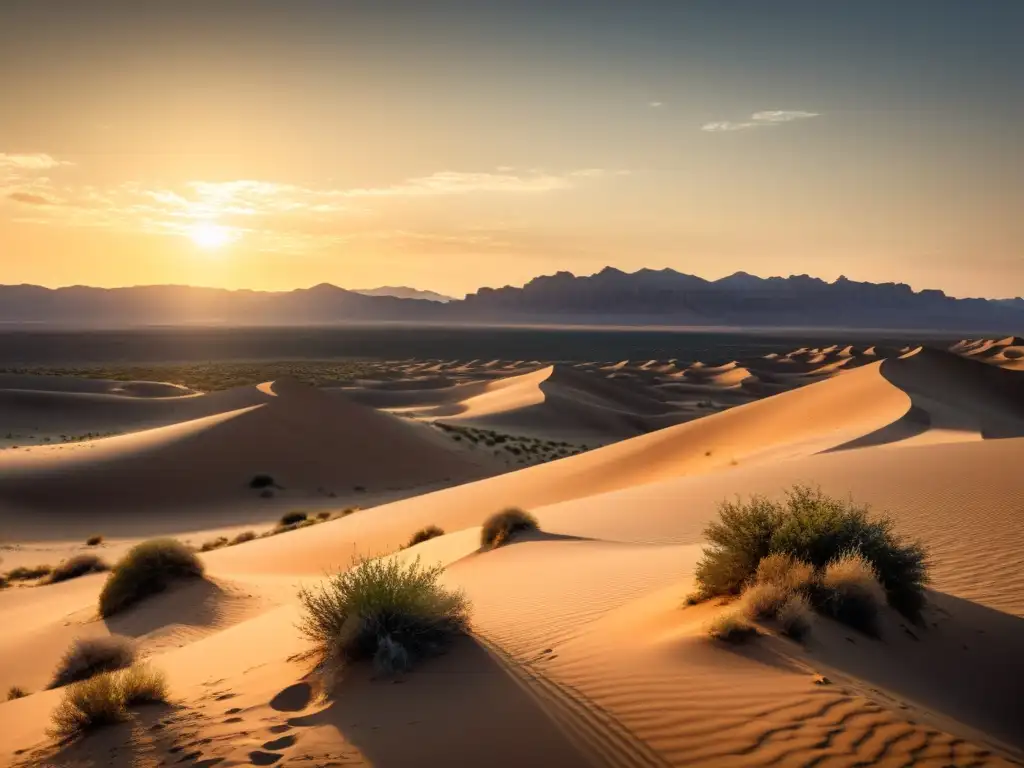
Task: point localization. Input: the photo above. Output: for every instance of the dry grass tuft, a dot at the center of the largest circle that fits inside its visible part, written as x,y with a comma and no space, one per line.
76,566
104,700
90,656
795,617
425,534
500,528
732,628
16,692
147,569
851,592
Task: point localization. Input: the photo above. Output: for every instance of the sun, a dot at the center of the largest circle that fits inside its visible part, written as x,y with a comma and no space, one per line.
210,236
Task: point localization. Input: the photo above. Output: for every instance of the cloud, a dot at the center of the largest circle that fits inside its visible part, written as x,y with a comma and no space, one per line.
656,104
764,119
460,183
35,162
30,198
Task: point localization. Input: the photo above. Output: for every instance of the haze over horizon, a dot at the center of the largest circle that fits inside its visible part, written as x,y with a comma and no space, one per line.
258,145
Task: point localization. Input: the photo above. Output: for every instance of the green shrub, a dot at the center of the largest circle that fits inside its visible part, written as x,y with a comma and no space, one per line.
292,518
76,566
500,528
104,700
94,541
425,534
147,568
386,610
732,628
24,573
90,656
16,692
816,529
851,593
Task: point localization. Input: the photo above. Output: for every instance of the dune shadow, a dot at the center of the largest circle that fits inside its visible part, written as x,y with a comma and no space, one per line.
196,602
461,708
916,421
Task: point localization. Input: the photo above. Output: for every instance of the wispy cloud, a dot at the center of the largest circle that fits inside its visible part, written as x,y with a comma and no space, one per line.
764,119
270,215
656,104
34,162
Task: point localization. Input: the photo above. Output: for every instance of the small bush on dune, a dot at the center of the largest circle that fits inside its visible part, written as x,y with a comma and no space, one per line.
387,611
795,617
244,537
15,692
732,628
79,565
90,656
500,528
425,534
292,518
212,544
104,700
148,568
262,481
324,515
94,541
851,593
816,529
24,573
764,600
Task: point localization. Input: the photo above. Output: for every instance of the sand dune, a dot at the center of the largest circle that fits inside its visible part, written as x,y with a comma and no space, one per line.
579,638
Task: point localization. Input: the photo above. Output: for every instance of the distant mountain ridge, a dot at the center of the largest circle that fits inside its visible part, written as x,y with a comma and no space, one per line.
404,292
609,297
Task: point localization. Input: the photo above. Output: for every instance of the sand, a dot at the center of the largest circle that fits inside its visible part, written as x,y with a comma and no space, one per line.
581,652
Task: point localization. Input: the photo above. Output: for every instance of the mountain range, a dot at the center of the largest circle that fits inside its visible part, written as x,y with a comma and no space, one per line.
609,297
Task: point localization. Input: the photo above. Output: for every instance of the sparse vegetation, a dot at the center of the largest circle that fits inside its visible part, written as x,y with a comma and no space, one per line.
243,537
292,518
815,529
24,573
851,593
385,610
262,481
104,700
732,628
500,528
16,692
323,515
425,534
212,544
94,541
90,656
76,566
795,617
148,568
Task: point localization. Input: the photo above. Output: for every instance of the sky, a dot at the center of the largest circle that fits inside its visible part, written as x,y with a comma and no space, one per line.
453,145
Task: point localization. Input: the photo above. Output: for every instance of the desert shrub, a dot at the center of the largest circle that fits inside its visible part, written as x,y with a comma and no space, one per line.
104,700
24,573
262,481
90,656
292,518
146,569
425,534
386,610
212,544
16,692
850,592
76,566
732,628
243,537
500,527
323,515
816,529
795,617
764,600
94,541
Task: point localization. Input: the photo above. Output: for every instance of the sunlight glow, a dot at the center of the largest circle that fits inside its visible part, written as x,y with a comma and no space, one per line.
211,236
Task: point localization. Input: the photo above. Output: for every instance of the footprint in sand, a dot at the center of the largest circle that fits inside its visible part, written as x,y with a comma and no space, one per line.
258,757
